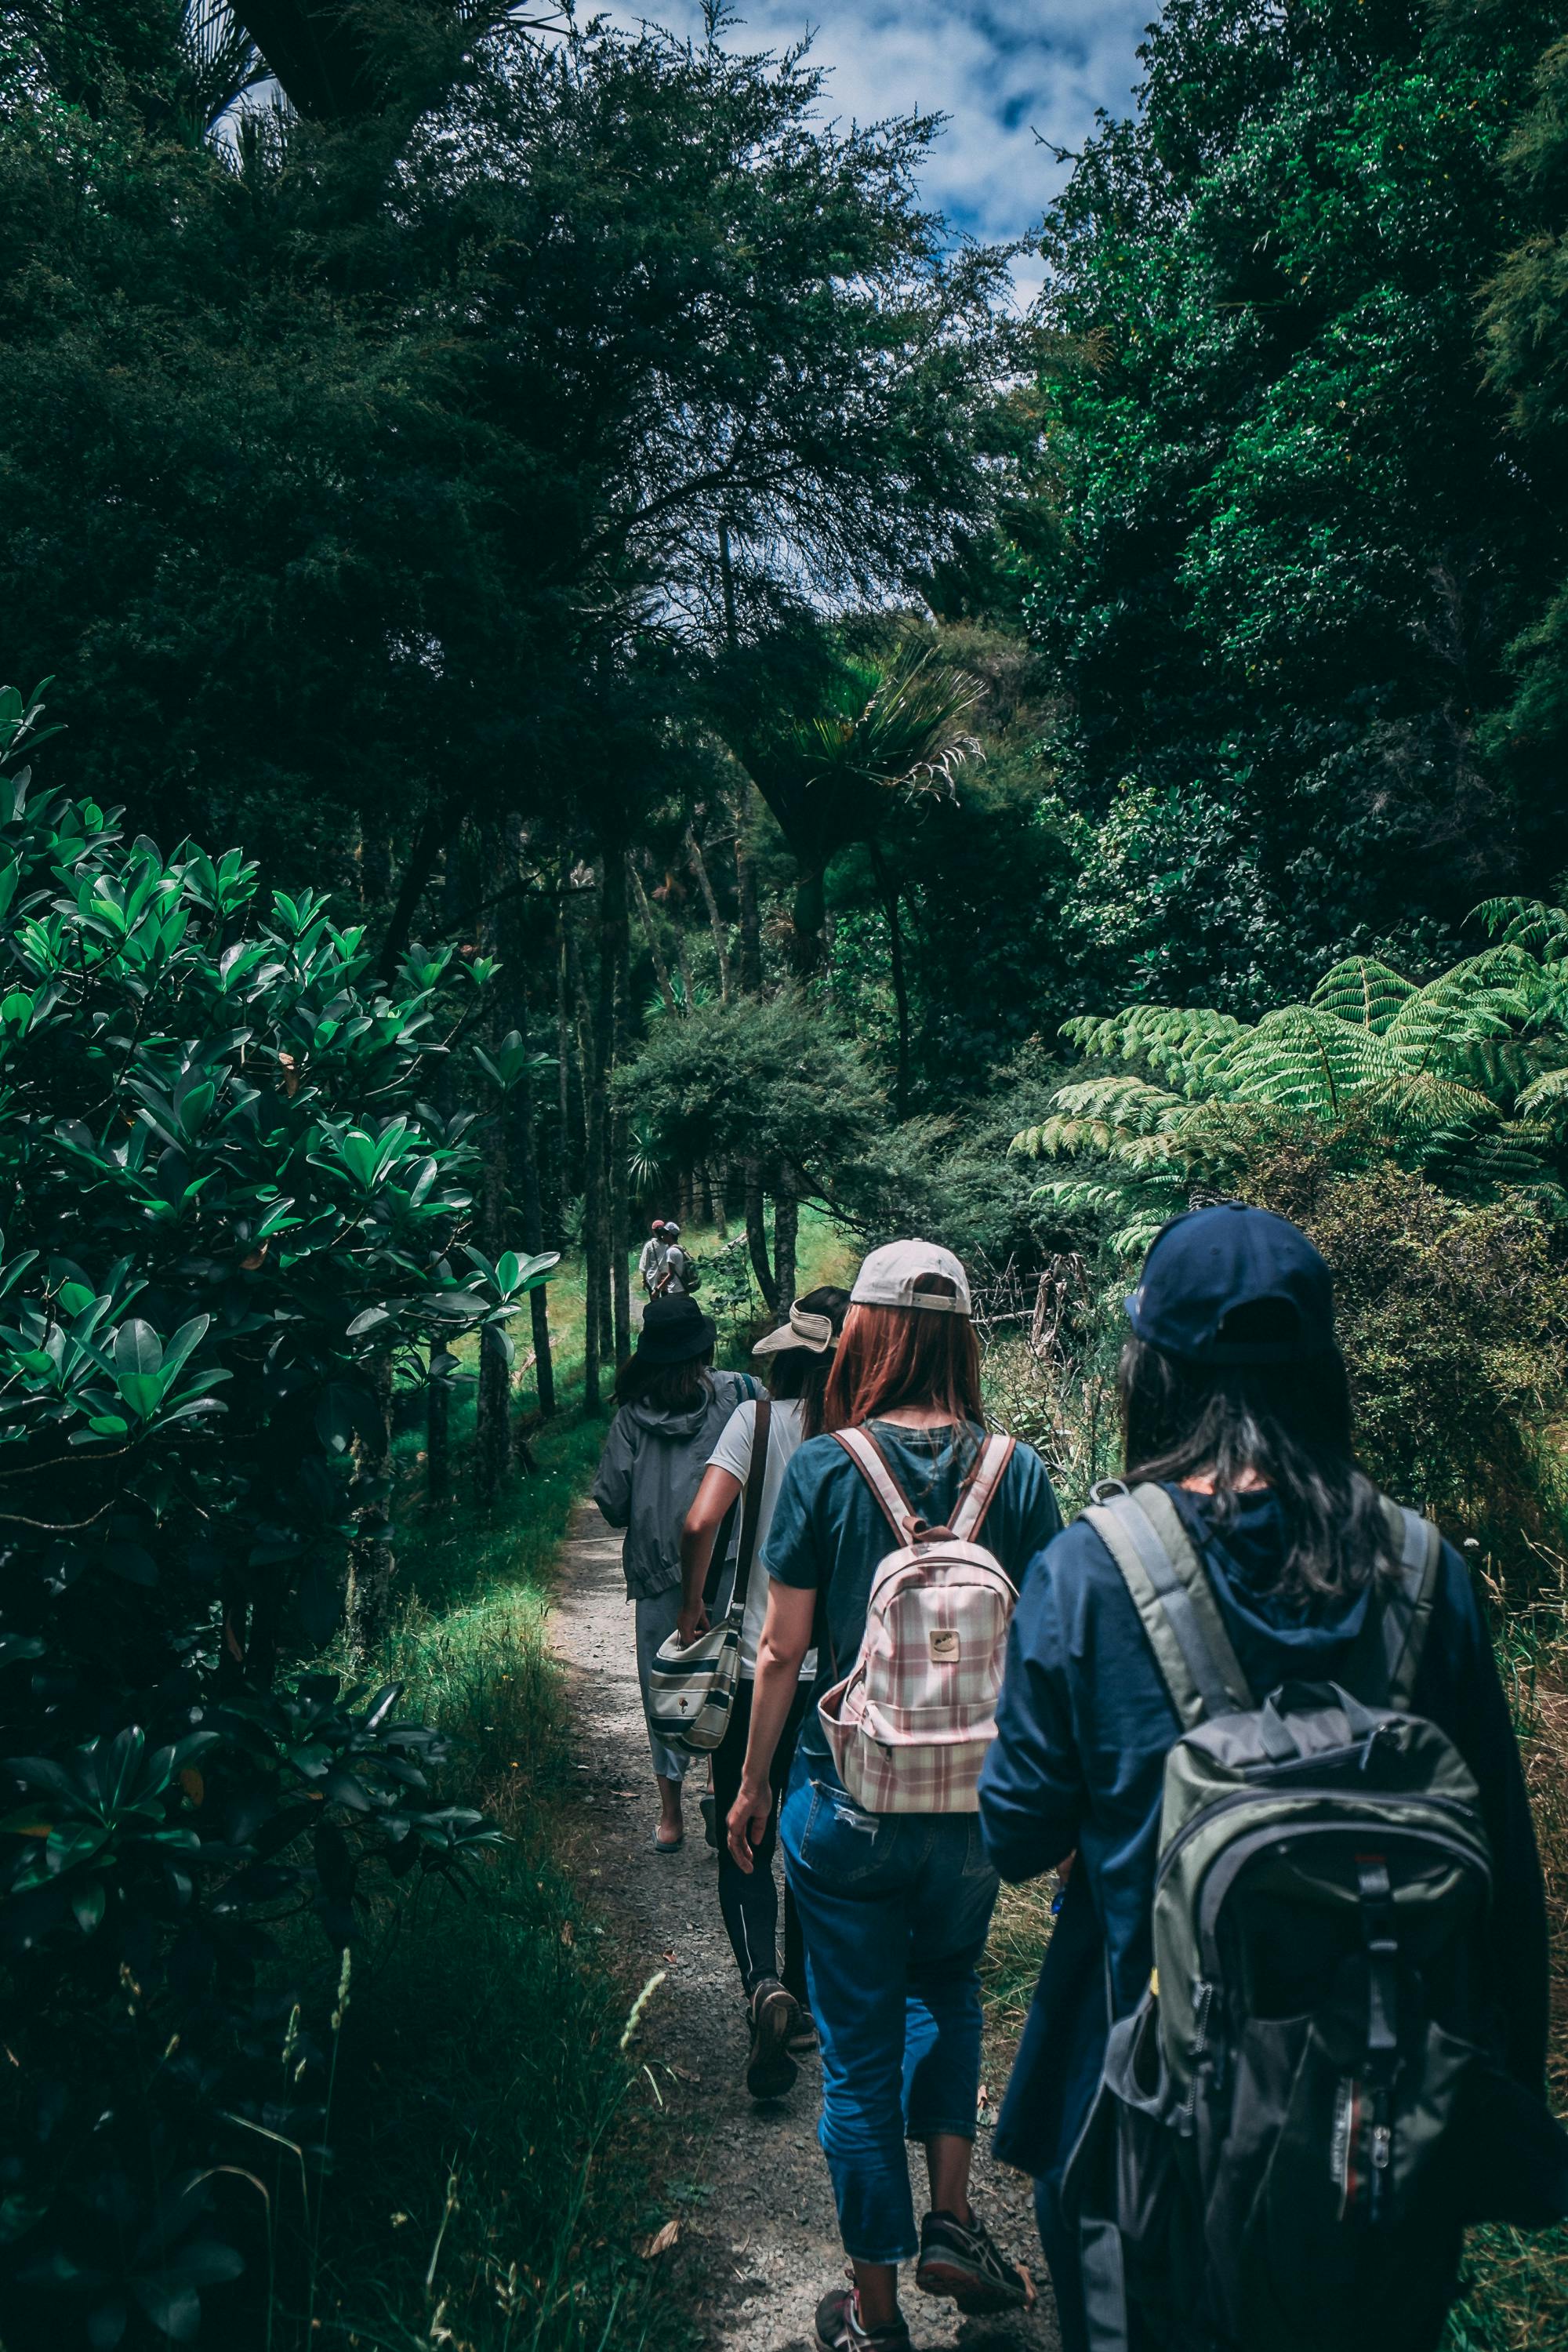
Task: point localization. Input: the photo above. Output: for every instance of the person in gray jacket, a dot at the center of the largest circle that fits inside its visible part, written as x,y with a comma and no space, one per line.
672,1406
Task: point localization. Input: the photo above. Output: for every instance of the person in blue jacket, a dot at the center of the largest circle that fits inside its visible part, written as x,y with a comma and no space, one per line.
1234,1397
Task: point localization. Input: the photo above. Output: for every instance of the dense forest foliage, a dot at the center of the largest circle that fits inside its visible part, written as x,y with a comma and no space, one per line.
600,665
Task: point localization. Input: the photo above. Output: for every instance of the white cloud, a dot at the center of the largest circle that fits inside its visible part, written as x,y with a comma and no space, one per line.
1000,70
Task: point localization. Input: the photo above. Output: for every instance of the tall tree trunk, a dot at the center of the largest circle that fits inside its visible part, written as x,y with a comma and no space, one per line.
660,968
721,943
522,1140
438,1432
746,892
492,1428
617,947
424,852
901,984
372,1565
526,1159
757,1237
786,1232
594,1218
718,1179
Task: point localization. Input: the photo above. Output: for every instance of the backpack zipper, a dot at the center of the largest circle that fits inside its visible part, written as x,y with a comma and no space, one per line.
1218,1805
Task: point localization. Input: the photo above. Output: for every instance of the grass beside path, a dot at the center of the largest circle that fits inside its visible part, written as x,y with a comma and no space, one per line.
487,2192
491,2187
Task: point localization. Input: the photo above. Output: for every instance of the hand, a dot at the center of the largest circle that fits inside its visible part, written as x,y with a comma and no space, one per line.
747,1822
690,1623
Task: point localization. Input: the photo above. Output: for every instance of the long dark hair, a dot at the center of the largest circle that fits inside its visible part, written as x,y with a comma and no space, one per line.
664,1388
1290,1425
799,1373
891,1356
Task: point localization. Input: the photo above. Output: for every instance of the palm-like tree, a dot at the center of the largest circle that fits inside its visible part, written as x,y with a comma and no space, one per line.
883,731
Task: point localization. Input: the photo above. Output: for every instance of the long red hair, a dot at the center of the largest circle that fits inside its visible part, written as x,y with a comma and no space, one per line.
893,1356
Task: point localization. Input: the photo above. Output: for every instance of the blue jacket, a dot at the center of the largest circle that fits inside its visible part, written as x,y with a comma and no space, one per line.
1084,1727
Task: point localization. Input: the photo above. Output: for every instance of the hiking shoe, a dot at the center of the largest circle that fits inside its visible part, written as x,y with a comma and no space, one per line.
805,2041
838,2329
770,2069
962,2259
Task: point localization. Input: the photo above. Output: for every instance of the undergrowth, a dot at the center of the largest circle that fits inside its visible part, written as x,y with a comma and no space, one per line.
486,2190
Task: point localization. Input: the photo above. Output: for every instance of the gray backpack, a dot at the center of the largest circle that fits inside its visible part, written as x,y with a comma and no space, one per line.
1292,2129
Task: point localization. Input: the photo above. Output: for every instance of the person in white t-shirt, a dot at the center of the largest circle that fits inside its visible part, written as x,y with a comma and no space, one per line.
800,1355
650,1265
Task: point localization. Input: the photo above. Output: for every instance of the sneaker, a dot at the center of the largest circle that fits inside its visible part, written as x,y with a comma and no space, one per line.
839,2330
962,2259
770,2069
805,2041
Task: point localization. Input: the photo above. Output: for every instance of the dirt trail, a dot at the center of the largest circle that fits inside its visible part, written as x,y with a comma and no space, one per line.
758,2212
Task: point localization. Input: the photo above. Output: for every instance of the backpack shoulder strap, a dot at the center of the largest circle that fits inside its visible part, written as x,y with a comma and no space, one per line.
1171,1591
980,1487
870,1460
751,1510
1387,1656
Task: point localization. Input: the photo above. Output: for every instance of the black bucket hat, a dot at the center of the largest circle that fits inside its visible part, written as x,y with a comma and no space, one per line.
673,1331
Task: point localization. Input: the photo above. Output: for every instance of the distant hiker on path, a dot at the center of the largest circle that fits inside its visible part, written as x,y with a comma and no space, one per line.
1345,1961
650,1263
895,1903
672,1407
800,1358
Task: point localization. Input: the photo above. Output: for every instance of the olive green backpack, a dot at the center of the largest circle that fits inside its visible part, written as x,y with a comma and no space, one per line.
1293,2126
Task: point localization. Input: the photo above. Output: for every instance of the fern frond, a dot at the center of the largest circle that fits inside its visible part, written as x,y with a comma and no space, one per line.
1304,1060
1182,1041
1362,991
1527,923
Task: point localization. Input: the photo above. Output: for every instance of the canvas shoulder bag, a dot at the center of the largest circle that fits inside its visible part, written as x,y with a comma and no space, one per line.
691,1690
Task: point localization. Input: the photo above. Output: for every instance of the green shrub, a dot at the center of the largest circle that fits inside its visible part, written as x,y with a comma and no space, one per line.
1454,1324
225,1225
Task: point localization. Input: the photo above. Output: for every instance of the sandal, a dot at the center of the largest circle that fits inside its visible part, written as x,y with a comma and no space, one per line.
667,1845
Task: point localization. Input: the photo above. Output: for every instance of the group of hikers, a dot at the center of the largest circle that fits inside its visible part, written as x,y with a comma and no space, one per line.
1290,2033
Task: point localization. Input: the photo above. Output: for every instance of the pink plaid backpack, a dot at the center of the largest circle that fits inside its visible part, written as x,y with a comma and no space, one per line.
909,1723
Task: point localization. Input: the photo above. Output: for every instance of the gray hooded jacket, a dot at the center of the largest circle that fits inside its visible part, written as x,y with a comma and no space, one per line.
649,1472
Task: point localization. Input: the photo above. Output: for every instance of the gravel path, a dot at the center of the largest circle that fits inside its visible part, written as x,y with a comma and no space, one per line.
757,2231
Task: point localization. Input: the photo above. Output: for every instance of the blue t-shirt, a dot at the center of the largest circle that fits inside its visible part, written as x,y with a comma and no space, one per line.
829,1533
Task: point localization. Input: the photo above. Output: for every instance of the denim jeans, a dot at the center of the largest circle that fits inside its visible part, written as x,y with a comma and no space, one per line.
894,1907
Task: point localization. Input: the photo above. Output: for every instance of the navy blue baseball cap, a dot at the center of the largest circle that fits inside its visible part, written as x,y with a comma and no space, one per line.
1203,1266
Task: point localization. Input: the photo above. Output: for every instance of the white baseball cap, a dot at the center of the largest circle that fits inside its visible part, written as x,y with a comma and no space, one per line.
887,1277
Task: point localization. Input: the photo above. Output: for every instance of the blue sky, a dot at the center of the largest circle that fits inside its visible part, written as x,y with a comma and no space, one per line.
1000,70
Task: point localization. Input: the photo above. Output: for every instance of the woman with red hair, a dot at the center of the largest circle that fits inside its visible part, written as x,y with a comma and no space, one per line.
895,1907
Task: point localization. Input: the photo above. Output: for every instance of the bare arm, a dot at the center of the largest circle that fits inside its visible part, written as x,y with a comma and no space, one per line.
703,1521
781,1653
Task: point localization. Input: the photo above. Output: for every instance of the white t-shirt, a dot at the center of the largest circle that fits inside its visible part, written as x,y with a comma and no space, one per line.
675,1267
733,1454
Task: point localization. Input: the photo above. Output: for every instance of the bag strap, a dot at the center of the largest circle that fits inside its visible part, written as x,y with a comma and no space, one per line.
1387,1655
1169,1587
980,1487
757,1472
872,1463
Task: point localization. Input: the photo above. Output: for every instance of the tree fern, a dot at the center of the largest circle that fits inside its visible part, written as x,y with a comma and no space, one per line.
1463,1076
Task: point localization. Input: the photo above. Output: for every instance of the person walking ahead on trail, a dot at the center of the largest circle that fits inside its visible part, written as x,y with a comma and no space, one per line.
672,1407
672,1274
800,1358
895,1903
1248,1503
650,1263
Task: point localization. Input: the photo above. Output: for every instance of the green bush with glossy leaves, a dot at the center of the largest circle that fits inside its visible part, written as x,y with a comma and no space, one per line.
226,1216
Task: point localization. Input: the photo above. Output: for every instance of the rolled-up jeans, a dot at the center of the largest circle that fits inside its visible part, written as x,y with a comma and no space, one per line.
655,1617
895,1909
